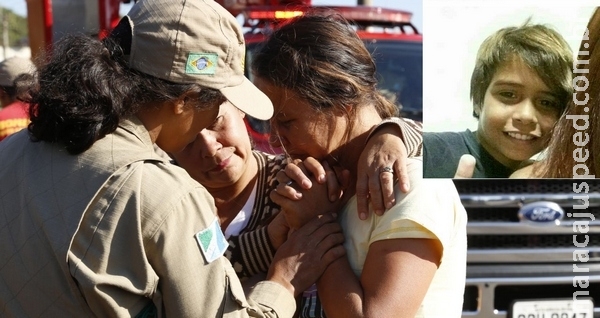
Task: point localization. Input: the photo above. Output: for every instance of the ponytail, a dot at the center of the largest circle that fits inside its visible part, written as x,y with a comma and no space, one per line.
81,95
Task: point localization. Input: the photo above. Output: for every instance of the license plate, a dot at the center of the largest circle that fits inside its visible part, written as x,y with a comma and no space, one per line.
556,308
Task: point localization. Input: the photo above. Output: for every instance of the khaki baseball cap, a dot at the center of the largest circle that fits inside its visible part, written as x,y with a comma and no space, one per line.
194,41
13,67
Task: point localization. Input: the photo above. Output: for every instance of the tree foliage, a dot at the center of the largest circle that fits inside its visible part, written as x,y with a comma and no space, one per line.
17,28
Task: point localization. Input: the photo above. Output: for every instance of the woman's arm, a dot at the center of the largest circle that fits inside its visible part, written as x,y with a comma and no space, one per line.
395,278
396,275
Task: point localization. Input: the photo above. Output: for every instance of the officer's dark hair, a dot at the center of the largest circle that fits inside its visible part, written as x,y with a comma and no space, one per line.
85,88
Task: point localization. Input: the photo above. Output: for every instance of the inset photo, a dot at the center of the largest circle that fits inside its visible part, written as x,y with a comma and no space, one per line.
499,85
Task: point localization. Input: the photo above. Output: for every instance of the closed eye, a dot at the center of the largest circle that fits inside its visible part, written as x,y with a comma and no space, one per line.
215,124
284,123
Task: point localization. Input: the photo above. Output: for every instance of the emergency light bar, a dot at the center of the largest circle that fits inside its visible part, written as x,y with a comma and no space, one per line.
374,14
361,15
273,14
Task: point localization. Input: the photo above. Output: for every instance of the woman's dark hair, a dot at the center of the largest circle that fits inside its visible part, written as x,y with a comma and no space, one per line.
85,89
583,141
321,58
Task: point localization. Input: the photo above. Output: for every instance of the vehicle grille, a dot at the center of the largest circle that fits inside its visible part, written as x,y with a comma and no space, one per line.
496,235
504,186
525,241
510,260
500,214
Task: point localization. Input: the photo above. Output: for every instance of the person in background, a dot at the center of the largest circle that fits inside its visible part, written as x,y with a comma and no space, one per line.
574,149
404,263
520,86
14,114
93,222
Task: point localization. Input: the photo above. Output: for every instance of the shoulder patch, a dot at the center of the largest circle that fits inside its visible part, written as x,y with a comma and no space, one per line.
212,242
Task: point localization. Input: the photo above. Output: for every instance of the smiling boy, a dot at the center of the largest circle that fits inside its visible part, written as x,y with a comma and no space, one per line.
519,88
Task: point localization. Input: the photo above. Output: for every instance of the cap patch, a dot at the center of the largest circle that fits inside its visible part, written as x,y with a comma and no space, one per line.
201,63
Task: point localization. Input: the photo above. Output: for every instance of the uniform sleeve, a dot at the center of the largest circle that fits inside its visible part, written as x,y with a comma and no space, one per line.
191,284
412,134
273,299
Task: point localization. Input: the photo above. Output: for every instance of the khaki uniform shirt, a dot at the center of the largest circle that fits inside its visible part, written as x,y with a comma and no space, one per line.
109,231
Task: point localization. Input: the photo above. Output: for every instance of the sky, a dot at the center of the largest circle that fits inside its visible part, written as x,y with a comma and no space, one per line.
415,6
17,6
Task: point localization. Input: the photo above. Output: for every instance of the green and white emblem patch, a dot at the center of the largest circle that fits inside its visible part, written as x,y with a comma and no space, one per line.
212,241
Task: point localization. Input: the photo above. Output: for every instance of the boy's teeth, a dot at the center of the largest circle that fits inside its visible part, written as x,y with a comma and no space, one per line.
520,136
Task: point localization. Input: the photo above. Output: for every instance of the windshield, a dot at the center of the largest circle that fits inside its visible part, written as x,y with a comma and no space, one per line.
400,74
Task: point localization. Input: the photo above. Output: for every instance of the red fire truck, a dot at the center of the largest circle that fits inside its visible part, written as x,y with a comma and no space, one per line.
395,43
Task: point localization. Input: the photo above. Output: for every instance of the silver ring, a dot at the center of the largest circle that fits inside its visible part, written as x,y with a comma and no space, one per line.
289,183
386,169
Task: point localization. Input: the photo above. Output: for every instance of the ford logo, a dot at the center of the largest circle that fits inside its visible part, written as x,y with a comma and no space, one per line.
542,212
